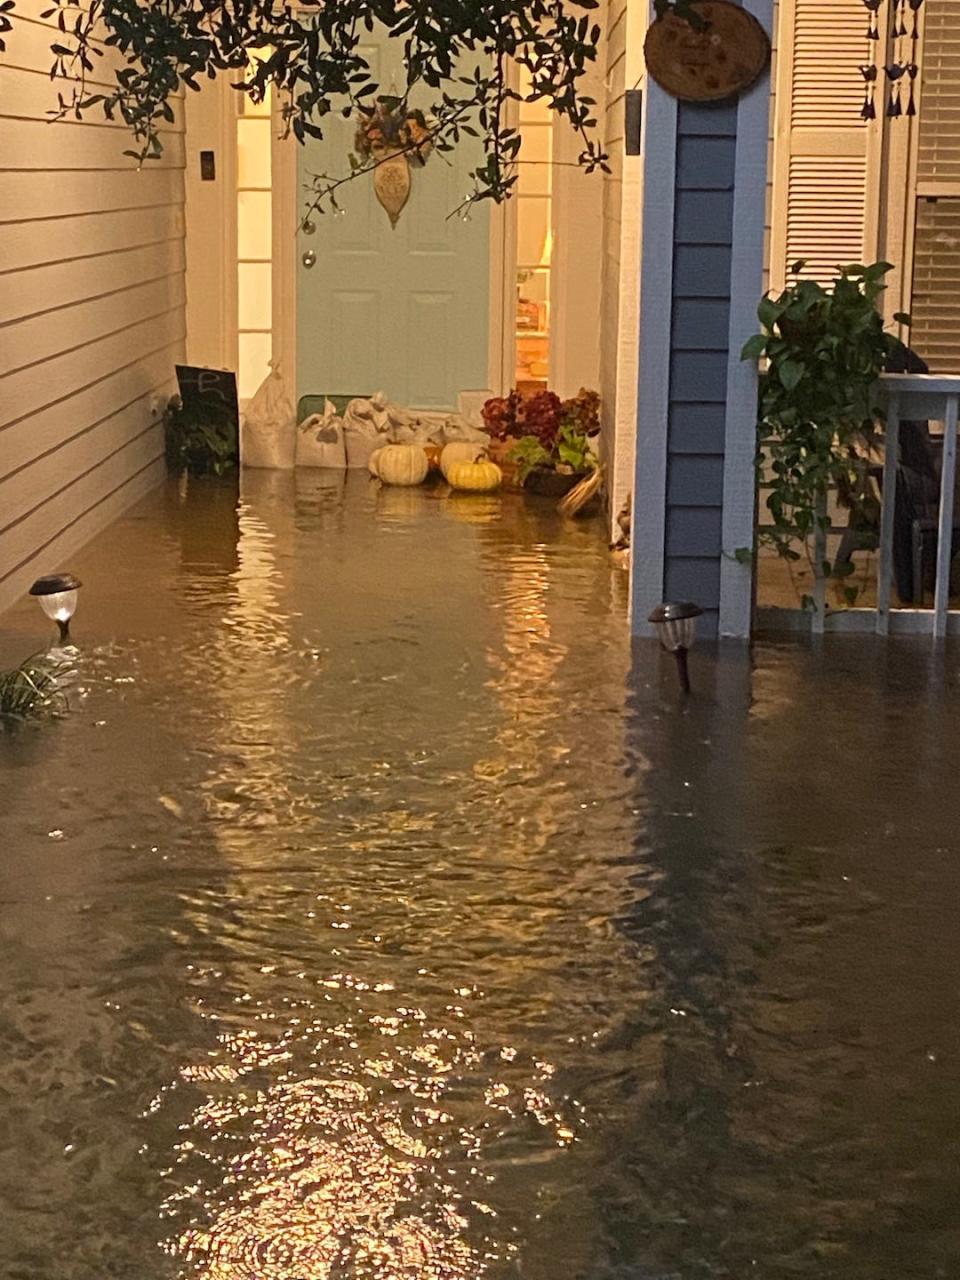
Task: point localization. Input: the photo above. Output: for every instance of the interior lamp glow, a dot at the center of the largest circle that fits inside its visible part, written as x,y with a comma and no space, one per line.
57,596
675,625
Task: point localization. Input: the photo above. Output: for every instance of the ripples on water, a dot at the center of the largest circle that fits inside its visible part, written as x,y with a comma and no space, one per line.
373,916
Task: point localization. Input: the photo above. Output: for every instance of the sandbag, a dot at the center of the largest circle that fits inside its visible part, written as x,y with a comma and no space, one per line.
457,428
320,440
268,431
365,427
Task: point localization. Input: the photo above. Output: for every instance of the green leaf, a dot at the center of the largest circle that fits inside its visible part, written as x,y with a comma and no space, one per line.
754,347
768,312
790,373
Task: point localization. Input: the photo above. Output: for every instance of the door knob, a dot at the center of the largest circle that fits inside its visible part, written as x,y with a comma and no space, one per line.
308,259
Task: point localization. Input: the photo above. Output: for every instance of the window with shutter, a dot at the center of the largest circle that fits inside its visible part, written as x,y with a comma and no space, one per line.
825,194
935,334
935,304
938,152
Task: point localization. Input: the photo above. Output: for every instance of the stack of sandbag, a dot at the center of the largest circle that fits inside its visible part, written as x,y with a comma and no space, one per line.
330,440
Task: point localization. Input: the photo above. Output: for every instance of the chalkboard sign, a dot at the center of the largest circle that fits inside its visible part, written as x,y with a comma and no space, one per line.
209,387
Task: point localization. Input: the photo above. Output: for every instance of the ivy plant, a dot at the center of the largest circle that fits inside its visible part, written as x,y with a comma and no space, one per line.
822,351
316,58
200,438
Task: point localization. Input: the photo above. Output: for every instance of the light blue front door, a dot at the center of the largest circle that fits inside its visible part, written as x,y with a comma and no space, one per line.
401,309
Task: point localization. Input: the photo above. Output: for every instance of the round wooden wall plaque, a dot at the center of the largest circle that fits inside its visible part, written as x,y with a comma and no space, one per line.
704,65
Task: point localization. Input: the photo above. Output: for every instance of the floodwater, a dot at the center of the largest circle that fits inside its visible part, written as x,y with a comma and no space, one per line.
375,914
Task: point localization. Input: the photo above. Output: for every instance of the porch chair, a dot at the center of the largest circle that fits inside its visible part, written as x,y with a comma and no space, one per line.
917,506
916,514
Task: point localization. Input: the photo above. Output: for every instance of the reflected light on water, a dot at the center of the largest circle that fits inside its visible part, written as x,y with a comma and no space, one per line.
284,1171
380,1171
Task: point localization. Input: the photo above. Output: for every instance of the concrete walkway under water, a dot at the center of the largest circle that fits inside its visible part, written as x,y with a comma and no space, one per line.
376,913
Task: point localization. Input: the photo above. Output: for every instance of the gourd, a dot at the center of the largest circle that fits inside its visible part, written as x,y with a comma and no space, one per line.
459,451
478,476
372,463
402,464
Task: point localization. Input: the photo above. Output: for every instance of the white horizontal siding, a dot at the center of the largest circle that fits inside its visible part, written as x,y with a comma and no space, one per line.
46,196
29,95
41,433
91,311
68,145
52,286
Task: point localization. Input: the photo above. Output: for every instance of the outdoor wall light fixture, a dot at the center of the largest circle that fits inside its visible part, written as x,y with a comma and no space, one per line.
675,625
57,594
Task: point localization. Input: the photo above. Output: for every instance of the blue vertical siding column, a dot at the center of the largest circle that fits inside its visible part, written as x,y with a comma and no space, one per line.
701,277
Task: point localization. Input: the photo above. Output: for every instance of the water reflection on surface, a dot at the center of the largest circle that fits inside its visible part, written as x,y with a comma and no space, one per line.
374,914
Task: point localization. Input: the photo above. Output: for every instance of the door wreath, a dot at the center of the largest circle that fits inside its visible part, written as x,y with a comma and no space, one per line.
393,137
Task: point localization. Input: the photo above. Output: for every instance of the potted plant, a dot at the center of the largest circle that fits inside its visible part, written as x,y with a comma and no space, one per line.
551,440
503,422
200,439
822,352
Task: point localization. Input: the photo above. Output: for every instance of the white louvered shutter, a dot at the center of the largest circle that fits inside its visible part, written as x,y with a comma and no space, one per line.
825,192
935,303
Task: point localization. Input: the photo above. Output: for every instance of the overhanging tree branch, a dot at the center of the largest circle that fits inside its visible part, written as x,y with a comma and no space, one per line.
313,59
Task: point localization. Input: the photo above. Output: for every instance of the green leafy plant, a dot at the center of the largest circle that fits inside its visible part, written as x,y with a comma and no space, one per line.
528,453
574,450
823,350
201,438
570,452
33,688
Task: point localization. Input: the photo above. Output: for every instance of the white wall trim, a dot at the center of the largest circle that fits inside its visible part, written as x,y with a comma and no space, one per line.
746,286
211,227
653,392
288,243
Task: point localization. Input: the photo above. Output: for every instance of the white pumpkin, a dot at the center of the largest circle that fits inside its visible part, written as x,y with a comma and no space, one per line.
402,464
459,451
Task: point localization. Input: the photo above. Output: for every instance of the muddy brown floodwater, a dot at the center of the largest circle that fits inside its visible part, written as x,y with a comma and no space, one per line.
376,914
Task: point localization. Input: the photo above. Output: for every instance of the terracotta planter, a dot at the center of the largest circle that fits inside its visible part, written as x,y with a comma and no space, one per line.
499,451
551,484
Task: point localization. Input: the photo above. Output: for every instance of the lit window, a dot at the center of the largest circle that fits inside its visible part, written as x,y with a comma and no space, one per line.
534,244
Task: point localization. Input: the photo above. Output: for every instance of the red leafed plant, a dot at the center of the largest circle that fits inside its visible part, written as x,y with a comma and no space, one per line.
542,415
512,416
583,411
501,416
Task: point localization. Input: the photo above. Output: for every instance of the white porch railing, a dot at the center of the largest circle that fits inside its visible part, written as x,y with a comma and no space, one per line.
908,397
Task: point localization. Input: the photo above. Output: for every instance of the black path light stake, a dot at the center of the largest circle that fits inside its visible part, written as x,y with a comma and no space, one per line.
675,625
57,594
